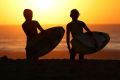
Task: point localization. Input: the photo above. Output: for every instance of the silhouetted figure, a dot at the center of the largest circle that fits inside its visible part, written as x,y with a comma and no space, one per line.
30,28
75,27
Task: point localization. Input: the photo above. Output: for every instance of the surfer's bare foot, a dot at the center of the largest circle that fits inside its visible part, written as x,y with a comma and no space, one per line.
35,58
81,57
72,59
72,55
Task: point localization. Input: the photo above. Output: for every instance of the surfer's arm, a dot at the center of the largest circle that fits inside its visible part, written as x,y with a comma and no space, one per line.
68,38
39,27
91,34
86,28
43,32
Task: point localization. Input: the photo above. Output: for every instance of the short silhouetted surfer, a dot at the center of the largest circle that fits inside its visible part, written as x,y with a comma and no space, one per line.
75,27
30,28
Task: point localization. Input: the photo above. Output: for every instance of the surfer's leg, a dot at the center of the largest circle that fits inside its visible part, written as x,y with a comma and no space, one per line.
35,58
28,56
72,54
81,56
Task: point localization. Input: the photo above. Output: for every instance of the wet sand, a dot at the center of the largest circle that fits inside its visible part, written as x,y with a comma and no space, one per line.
101,55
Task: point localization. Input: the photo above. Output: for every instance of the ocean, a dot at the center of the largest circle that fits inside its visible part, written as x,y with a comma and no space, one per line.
13,39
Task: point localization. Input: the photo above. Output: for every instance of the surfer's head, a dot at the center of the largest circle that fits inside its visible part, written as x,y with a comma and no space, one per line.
74,14
28,14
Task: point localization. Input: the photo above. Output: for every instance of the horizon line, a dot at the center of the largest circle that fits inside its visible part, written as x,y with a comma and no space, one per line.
66,24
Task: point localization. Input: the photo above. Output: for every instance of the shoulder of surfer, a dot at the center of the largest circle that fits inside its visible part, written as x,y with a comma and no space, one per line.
35,21
26,24
68,25
81,22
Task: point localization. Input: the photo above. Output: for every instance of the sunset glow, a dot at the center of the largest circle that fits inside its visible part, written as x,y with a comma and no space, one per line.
99,15
41,4
57,11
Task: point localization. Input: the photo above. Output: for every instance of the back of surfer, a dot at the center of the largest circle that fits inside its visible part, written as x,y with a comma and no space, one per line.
30,28
75,27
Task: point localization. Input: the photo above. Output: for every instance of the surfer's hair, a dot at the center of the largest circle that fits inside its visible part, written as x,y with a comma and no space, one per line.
27,13
74,13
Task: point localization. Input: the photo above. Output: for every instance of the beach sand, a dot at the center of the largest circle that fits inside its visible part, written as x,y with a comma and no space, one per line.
60,69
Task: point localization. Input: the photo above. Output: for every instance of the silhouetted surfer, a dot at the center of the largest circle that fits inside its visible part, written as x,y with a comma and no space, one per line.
76,28
30,28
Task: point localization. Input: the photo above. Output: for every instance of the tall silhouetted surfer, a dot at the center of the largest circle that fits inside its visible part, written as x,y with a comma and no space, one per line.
30,28
75,27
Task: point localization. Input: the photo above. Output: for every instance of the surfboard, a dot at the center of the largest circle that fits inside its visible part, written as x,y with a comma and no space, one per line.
45,42
84,43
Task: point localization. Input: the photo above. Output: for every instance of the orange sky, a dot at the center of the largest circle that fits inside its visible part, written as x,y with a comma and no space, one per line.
57,11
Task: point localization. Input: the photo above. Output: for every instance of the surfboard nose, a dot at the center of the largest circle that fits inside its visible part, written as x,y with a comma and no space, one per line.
60,28
60,31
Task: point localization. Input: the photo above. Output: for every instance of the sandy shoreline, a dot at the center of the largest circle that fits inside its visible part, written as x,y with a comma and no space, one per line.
59,69
102,55
104,65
